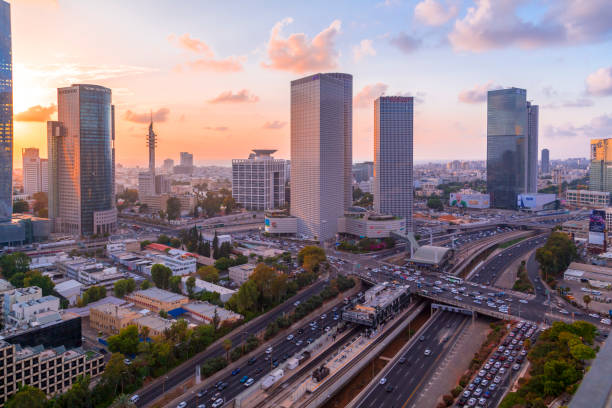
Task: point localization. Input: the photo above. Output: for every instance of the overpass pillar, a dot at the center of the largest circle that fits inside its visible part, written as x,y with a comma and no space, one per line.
473,317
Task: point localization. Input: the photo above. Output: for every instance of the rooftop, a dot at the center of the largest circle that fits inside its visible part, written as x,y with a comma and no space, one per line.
208,310
429,254
160,295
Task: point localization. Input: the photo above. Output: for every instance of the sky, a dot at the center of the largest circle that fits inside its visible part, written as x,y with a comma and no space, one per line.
216,75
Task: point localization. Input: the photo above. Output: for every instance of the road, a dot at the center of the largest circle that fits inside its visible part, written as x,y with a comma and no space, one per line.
408,377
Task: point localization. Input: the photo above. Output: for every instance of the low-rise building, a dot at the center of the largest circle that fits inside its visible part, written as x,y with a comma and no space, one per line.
578,228
110,318
32,310
89,272
241,273
157,203
12,296
205,312
587,198
364,224
69,289
156,299
51,370
155,324
202,285
180,262
279,222
594,275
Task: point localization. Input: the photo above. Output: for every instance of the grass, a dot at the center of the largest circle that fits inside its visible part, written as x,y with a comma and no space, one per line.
507,244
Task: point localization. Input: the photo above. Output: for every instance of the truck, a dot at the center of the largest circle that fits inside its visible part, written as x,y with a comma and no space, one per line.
272,378
292,363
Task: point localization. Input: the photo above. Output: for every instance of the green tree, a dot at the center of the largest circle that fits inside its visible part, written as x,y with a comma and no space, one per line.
222,264
27,396
124,286
173,208
123,401
175,243
582,352
35,278
208,273
175,284
20,206
130,195
16,262
92,294
161,275
586,299
190,285
126,342
41,203
435,204
146,284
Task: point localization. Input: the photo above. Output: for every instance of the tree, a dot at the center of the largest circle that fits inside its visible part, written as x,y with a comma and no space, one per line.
209,273
93,294
222,264
20,206
123,401
173,208
582,352
146,284
41,203
116,372
27,396
35,278
435,204
227,345
130,195
161,275
175,284
215,246
586,299
16,262
316,252
126,342
190,285
124,286
143,208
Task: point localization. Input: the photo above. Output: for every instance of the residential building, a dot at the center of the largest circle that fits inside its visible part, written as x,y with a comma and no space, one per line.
512,127
35,172
6,115
363,171
600,174
241,273
186,164
162,184
587,198
201,285
168,166
154,324
258,183
205,312
180,262
82,161
30,311
320,118
393,157
156,299
160,202
110,318
146,184
363,224
545,169
52,370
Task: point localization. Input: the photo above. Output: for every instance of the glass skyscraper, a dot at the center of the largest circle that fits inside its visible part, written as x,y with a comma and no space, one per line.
600,173
508,152
6,114
393,157
82,161
545,161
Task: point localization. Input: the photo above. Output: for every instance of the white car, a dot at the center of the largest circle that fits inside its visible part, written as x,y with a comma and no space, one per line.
523,301
383,381
290,337
249,382
605,321
269,350
427,352
181,404
217,403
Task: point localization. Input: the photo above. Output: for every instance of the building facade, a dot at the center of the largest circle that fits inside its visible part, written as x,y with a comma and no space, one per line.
600,175
155,299
241,273
318,153
393,157
533,120
110,318
81,147
587,198
168,166
6,114
545,169
370,225
35,172
258,183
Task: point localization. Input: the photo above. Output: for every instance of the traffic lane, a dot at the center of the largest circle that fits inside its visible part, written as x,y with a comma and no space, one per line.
405,377
180,375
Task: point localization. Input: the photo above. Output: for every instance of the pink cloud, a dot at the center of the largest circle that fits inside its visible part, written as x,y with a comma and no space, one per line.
434,13
160,115
208,61
478,93
600,82
365,98
36,113
298,54
243,96
365,48
192,44
217,128
277,124
230,64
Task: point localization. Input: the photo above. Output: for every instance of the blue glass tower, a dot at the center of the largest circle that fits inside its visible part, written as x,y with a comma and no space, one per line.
6,114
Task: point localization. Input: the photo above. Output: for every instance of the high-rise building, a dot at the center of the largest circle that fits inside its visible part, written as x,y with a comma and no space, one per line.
32,166
545,161
162,184
168,166
6,114
81,147
258,183
512,133
393,157
318,173
600,175
532,147
186,159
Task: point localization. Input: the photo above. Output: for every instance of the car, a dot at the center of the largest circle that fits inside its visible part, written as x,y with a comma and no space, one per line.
258,370
323,316
422,338
523,301
402,360
466,394
477,380
249,382
201,393
327,328
269,350
275,363
299,343
389,388
135,398
492,387
236,371
300,331
296,303
217,403
181,404
471,386
383,381
502,370
482,373
127,361
462,401
290,337
485,382
516,367
594,315
427,352
478,392
497,379
244,379
471,402
497,364
252,360
201,406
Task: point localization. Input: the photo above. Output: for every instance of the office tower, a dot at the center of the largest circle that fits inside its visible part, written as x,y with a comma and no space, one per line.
363,171
168,166
545,161
81,148
512,133
6,114
532,147
600,175
186,159
35,172
393,140
258,183
318,171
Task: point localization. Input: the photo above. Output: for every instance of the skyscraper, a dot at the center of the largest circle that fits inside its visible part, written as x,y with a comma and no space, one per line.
600,174
35,177
6,114
258,183
545,161
82,161
319,114
186,159
512,125
168,165
393,157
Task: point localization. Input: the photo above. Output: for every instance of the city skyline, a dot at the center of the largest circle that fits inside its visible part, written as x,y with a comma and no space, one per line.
217,95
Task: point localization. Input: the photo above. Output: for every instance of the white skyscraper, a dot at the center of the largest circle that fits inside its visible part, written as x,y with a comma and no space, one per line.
258,183
319,116
393,157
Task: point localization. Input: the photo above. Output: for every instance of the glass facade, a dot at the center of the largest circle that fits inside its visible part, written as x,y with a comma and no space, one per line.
393,157
600,174
507,146
6,114
545,161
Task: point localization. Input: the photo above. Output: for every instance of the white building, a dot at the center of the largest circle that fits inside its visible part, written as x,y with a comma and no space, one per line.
35,172
202,285
69,289
205,312
370,225
321,152
28,311
279,222
241,273
90,273
258,183
179,262
587,198
12,296
146,184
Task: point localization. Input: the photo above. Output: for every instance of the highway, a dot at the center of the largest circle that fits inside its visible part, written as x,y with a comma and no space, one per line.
404,378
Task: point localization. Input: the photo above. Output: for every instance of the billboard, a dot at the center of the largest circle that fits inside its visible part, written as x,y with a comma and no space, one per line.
469,200
597,227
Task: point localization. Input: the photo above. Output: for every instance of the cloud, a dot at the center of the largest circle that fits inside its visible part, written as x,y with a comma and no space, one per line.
66,73
36,113
492,24
243,96
298,54
217,128
434,13
277,124
364,49
208,61
160,115
578,103
365,98
600,126
599,83
406,43
549,91
478,93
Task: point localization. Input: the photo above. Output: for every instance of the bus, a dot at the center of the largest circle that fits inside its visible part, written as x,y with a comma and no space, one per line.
454,279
